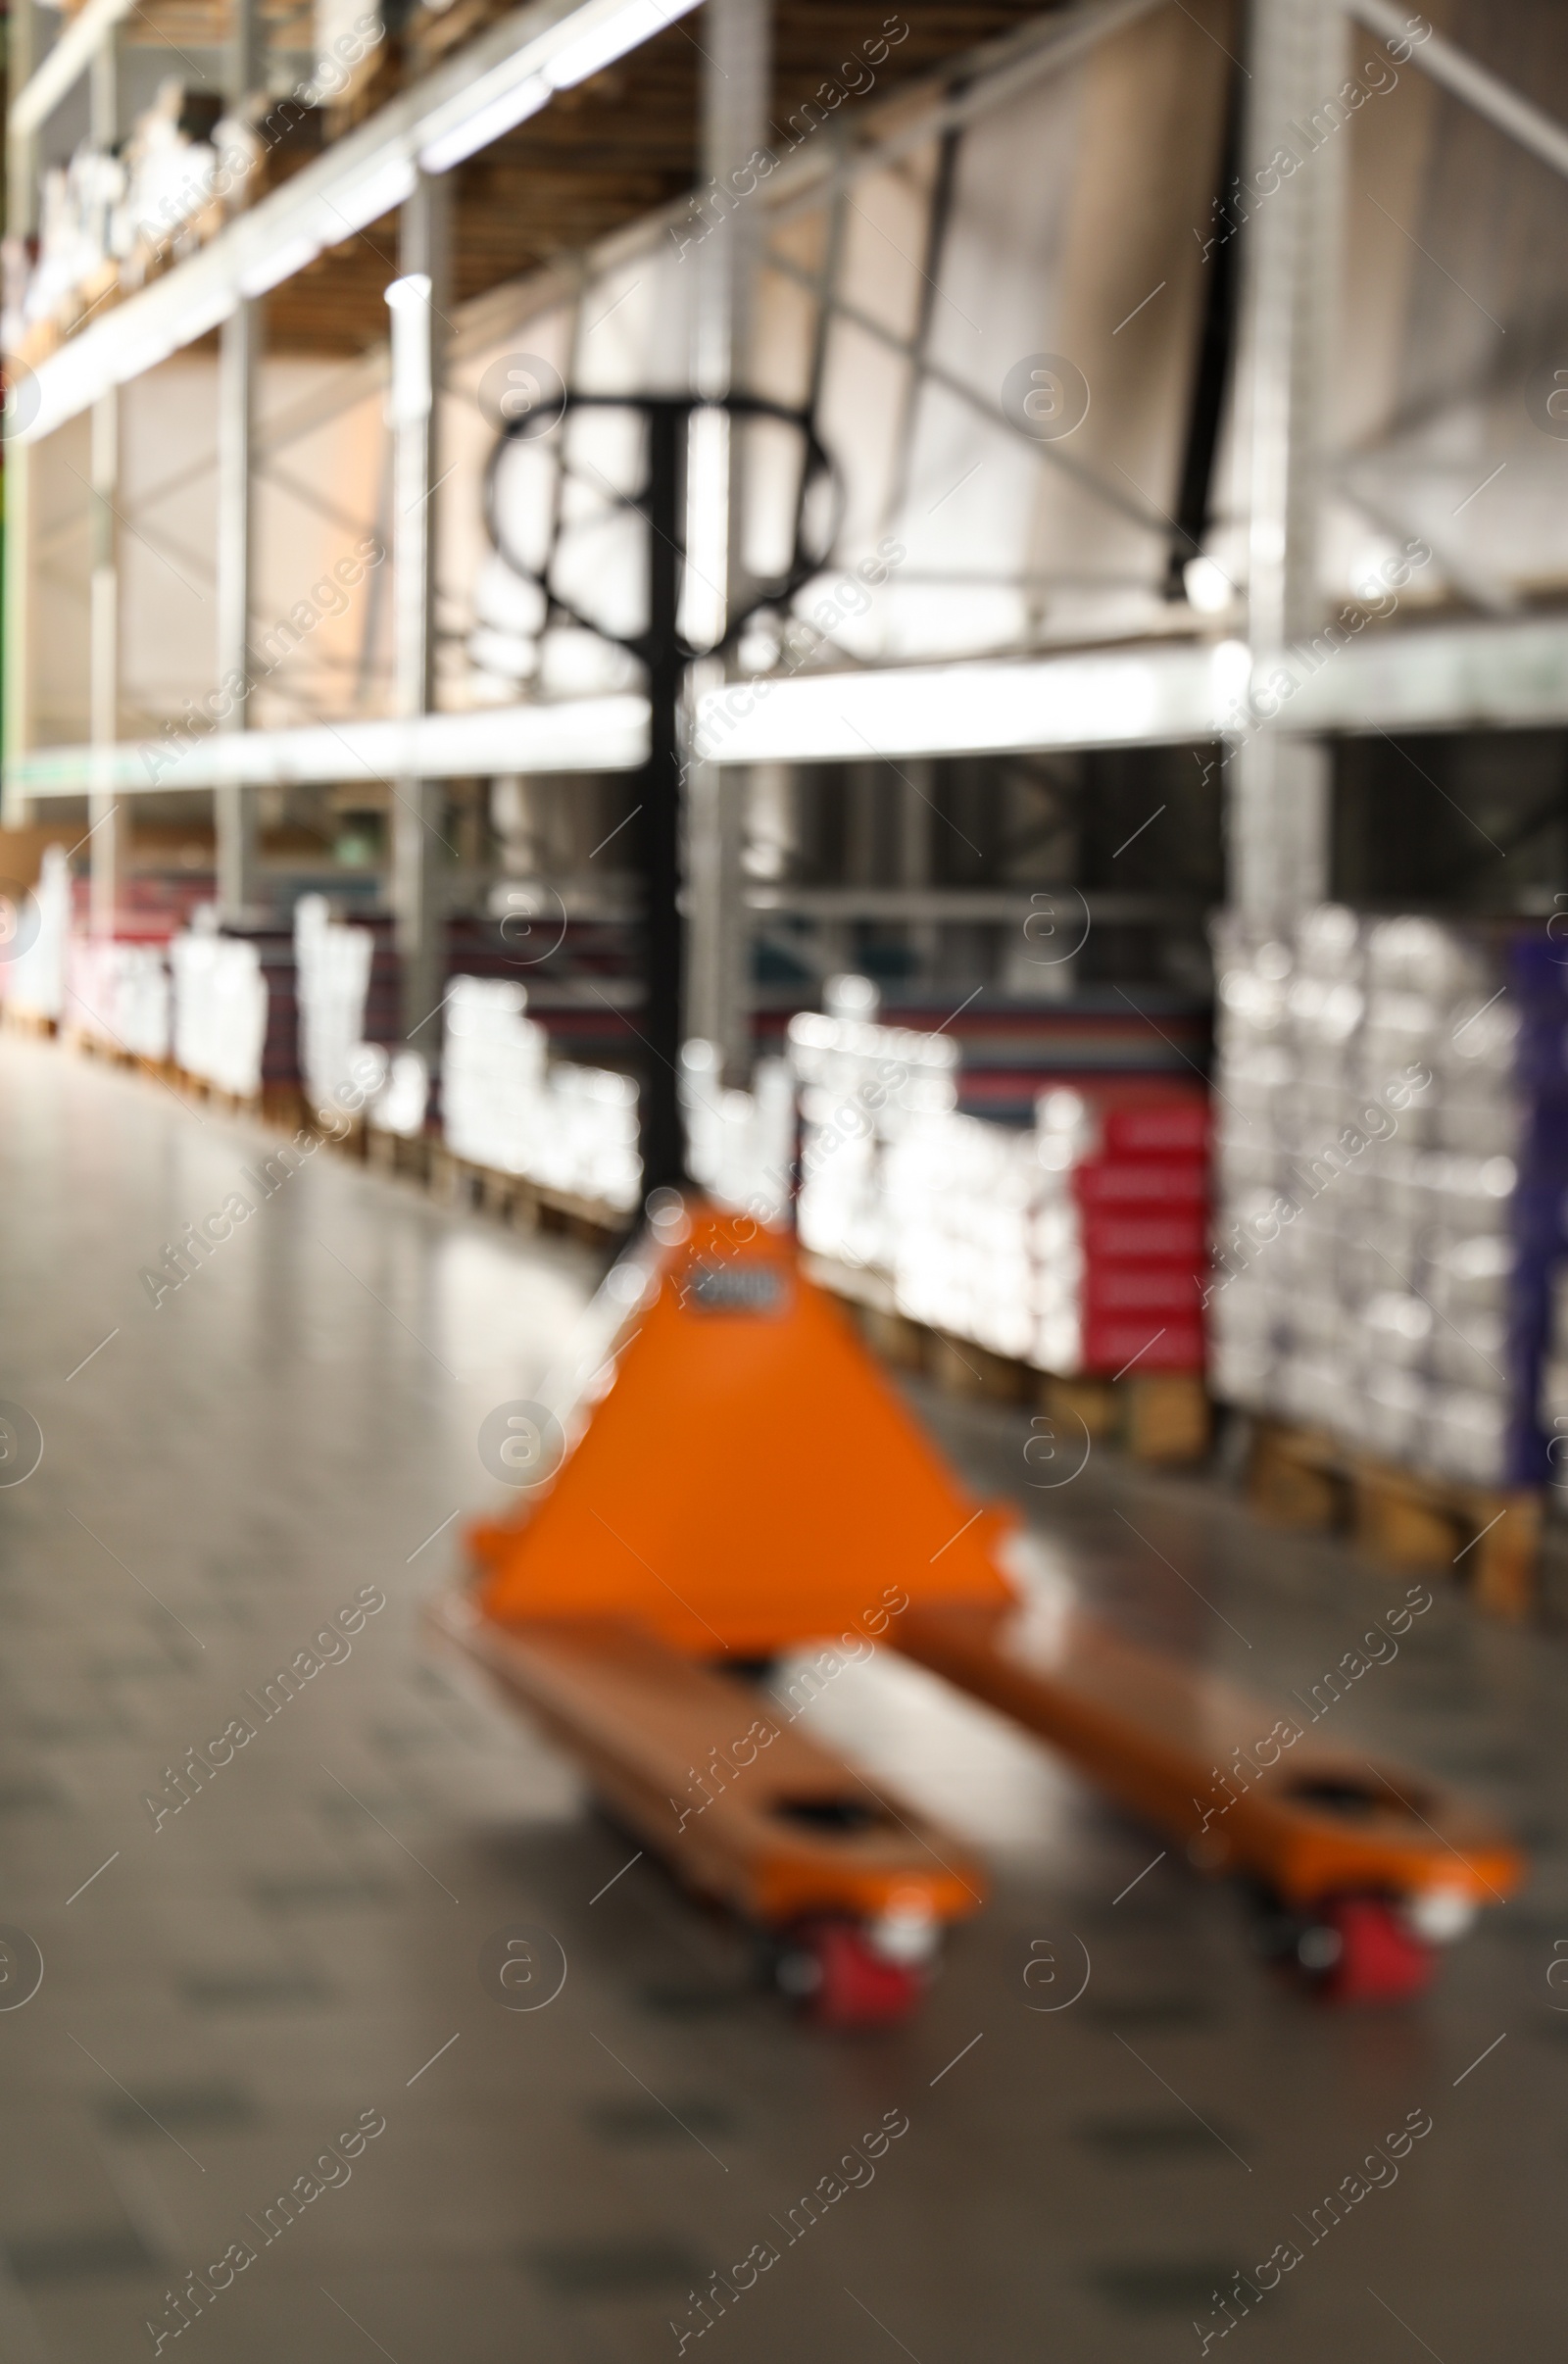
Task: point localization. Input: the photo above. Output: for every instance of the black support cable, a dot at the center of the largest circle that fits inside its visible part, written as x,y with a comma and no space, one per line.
1215,350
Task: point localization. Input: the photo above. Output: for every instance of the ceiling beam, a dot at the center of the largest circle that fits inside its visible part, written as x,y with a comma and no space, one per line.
1522,121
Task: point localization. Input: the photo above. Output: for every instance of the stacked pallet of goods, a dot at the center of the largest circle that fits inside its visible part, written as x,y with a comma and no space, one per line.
1120,1242
505,1108
32,962
861,1086
1393,1158
117,992
740,1146
220,1009
1075,1245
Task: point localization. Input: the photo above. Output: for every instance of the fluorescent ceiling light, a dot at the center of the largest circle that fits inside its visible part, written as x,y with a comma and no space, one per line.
610,38
494,117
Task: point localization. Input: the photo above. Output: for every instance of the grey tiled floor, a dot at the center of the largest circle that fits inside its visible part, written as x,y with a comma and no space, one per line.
295,1945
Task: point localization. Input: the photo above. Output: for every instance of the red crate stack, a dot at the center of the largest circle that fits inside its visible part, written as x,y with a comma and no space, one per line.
1129,1238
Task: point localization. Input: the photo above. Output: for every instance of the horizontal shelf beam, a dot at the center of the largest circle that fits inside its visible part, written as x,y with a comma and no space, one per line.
1427,677
1437,677
585,734
1471,676
1143,696
960,906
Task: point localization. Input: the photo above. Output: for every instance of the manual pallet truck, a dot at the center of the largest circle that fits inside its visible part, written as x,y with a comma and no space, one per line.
739,1480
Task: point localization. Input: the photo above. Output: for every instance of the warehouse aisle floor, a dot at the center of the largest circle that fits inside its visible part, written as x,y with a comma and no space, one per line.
294,1953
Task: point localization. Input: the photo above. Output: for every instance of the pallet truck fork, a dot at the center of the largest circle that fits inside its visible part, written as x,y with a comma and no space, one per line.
739,1480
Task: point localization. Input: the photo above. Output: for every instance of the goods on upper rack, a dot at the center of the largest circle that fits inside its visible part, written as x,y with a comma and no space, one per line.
109,221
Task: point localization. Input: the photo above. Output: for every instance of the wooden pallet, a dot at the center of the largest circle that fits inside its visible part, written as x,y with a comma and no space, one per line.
89,1044
424,1160
515,1199
1153,1415
962,1368
406,1156
213,1096
277,1106
1404,1518
28,1022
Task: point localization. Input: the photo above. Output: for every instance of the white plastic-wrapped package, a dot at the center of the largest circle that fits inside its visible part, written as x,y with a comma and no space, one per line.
34,977
860,1087
399,1106
332,980
492,1078
220,1023
120,994
569,1128
962,1196
740,1146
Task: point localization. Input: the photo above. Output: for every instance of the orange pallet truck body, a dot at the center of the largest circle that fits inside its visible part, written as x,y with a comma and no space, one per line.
738,1480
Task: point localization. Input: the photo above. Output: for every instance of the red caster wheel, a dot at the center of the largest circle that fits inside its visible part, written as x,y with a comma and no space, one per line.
840,1979
1360,1949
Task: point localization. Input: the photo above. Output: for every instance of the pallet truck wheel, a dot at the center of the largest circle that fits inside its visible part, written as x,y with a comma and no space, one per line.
838,1977
1360,1949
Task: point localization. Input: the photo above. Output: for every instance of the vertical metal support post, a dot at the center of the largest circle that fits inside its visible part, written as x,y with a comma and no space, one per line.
103,642
1278,807
736,83
712,820
103,637
239,356
916,813
15,636
21,150
247,52
417,302
663,939
235,807
736,86
22,220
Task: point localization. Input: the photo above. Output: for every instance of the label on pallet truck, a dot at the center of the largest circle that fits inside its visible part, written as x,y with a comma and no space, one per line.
739,1288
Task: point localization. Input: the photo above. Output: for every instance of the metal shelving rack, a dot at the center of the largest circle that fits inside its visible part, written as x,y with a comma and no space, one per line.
1497,670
